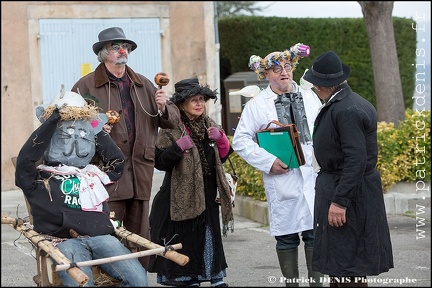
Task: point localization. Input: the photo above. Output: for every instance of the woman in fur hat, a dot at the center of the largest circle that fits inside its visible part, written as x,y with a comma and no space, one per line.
184,210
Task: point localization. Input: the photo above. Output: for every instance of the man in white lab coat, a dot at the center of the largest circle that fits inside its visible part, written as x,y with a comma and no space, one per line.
289,191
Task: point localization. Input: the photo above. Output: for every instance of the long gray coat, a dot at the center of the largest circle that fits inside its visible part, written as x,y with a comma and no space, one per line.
345,146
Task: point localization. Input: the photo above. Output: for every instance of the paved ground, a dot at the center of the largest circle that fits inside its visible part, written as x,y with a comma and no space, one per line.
250,252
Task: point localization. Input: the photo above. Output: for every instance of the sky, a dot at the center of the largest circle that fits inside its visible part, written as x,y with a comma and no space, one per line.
342,9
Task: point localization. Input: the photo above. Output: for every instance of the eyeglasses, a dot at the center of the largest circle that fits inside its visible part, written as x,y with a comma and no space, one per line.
115,47
278,68
196,100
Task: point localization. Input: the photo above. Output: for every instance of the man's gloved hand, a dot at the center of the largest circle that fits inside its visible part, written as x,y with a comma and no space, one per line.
214,133
185,143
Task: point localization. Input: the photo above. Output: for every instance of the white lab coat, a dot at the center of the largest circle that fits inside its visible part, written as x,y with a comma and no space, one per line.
290,196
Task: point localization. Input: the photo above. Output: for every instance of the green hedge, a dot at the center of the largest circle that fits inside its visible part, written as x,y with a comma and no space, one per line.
243,36
403,156
404,152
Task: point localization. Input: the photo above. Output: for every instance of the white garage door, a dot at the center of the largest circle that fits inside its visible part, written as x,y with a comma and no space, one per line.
67,54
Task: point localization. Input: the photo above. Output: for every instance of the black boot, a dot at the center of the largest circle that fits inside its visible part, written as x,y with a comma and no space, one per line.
314,276
288,262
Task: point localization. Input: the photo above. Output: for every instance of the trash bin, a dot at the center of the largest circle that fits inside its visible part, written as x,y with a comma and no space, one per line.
233,105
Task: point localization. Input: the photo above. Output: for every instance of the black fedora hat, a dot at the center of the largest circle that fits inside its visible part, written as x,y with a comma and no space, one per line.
327,70
111,34
190,87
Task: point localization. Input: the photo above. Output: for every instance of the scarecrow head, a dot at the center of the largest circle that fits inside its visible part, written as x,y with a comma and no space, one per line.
73,141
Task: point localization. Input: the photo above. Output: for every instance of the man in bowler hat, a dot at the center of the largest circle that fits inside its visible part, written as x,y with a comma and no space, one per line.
143,109
352,238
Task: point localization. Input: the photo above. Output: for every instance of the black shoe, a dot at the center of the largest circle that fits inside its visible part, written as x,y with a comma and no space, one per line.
222,285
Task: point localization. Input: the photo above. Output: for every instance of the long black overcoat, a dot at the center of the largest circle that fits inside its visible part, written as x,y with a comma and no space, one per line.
345,146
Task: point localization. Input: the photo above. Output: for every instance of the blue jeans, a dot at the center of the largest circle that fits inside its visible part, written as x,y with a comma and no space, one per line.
291,241
130,272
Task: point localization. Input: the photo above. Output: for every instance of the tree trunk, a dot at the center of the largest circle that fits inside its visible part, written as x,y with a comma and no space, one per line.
385,64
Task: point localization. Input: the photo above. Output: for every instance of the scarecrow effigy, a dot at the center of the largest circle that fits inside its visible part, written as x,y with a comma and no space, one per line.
67,197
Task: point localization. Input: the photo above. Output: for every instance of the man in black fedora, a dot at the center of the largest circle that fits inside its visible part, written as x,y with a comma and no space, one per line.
352,238
143,109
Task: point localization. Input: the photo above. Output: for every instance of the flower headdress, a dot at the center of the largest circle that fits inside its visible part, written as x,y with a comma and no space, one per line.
259,65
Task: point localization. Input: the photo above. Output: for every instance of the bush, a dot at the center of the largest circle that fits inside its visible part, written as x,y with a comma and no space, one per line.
404,151
403,156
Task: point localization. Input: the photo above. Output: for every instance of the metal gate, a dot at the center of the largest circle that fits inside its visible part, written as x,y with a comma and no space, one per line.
67,54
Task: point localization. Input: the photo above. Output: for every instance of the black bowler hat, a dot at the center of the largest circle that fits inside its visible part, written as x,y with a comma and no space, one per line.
327,70
112,34
190,87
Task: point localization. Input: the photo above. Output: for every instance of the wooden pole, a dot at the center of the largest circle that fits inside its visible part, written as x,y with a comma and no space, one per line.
171,255
117,258
39,241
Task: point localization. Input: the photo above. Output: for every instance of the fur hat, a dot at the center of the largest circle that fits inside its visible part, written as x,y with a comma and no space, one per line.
109,35
327,70
190,87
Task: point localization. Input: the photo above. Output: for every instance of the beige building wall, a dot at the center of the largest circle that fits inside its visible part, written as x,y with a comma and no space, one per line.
188,49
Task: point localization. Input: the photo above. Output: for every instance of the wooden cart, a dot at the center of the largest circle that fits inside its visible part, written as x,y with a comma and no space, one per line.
47,271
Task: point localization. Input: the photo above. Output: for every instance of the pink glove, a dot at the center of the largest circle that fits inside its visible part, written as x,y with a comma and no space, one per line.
185,143
221,139
214,133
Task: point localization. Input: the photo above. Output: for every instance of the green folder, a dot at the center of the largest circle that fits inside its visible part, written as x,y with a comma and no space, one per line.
279,144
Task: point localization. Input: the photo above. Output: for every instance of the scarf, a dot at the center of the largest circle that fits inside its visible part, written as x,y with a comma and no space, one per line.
197,129
290,110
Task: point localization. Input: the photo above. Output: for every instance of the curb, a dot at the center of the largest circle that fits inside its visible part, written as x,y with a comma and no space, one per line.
396,202
251,209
